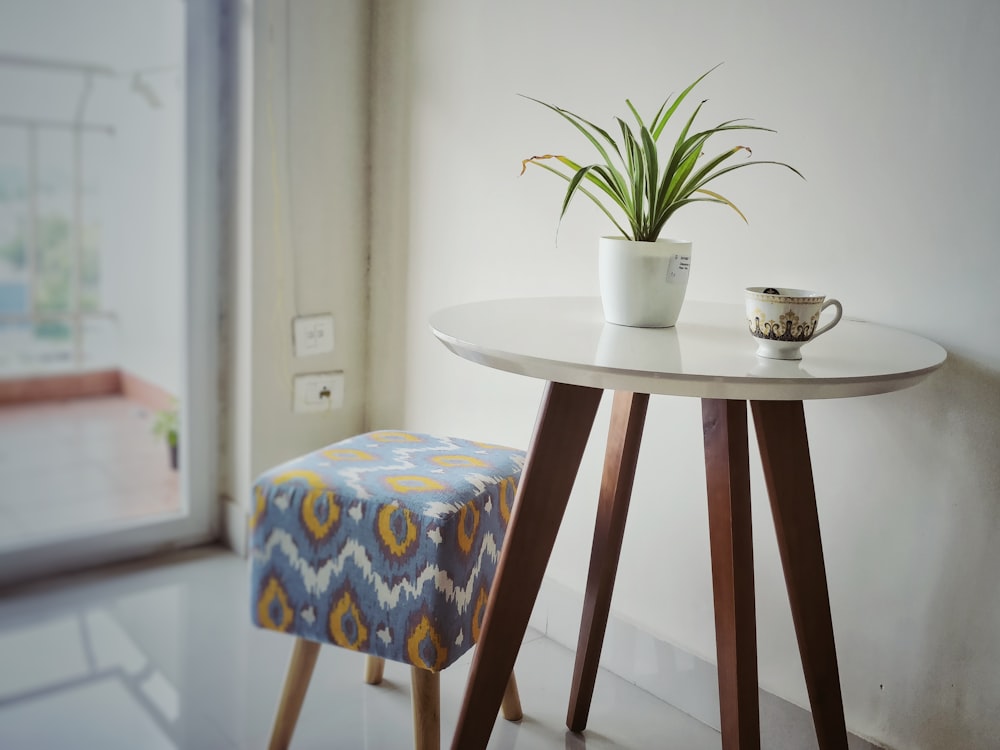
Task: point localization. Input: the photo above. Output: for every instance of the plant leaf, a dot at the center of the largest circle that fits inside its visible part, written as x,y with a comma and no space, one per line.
723,171
659,112
658,227
652,169
658,124
679,176
648,189
627,139
692,147
683,136
609,188
619,192
725,200
635,114
680,163
573,185
594,198
582,124
636,171
537,161
705,172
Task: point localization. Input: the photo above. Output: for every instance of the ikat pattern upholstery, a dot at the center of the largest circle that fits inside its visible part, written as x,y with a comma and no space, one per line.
385,543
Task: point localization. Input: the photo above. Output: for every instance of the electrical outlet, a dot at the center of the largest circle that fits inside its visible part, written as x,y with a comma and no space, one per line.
312,334
317,392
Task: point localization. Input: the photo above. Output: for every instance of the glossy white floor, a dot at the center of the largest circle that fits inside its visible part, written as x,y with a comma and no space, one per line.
161,655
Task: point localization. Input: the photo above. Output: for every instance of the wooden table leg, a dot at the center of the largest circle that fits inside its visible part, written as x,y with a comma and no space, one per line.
628,414
564,422
727,466
784,453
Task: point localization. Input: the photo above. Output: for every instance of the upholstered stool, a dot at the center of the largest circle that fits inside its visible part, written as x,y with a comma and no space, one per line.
387,544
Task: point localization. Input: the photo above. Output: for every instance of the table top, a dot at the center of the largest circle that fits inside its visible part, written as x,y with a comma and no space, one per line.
708,354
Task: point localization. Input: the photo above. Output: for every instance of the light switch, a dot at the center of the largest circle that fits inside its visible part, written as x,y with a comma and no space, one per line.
313,334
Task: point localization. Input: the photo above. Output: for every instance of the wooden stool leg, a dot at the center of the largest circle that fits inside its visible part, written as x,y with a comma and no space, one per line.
426,698
727,465
300,670
628,414
374,669
784,453
511,705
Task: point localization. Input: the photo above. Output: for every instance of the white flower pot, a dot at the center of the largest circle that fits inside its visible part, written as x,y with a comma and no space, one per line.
643,283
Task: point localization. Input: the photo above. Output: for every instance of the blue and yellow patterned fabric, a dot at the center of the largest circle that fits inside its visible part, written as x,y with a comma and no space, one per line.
385,543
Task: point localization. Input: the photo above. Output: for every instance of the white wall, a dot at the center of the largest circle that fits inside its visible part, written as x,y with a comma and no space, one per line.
888,109
309,221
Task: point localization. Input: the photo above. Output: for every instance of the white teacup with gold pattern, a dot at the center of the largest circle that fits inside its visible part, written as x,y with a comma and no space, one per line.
783,319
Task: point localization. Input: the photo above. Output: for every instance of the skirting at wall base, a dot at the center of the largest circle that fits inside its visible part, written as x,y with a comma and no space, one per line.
235,523
674,676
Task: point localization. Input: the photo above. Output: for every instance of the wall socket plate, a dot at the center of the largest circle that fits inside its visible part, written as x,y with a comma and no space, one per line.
318,392
312,334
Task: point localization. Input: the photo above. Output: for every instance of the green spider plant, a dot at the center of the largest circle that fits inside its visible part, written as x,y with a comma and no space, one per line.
647,189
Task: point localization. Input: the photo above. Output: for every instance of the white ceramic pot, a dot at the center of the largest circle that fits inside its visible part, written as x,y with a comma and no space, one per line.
643,283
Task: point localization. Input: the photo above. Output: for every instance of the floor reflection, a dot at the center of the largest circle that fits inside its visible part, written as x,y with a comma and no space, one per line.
162,656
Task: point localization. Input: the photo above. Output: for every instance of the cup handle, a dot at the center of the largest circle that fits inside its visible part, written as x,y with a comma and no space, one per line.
836,318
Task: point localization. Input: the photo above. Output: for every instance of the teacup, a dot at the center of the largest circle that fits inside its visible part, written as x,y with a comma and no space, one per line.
783,319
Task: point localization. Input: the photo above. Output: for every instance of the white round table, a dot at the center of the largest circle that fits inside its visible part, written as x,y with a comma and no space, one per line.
709,355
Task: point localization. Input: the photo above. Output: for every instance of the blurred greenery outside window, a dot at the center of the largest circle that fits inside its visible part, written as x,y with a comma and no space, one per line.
54,263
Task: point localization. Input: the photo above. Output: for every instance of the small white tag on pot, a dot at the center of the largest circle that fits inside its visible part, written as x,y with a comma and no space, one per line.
679,268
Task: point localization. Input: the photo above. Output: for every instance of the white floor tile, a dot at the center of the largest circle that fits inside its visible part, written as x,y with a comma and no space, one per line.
102,713
11,529
163,656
